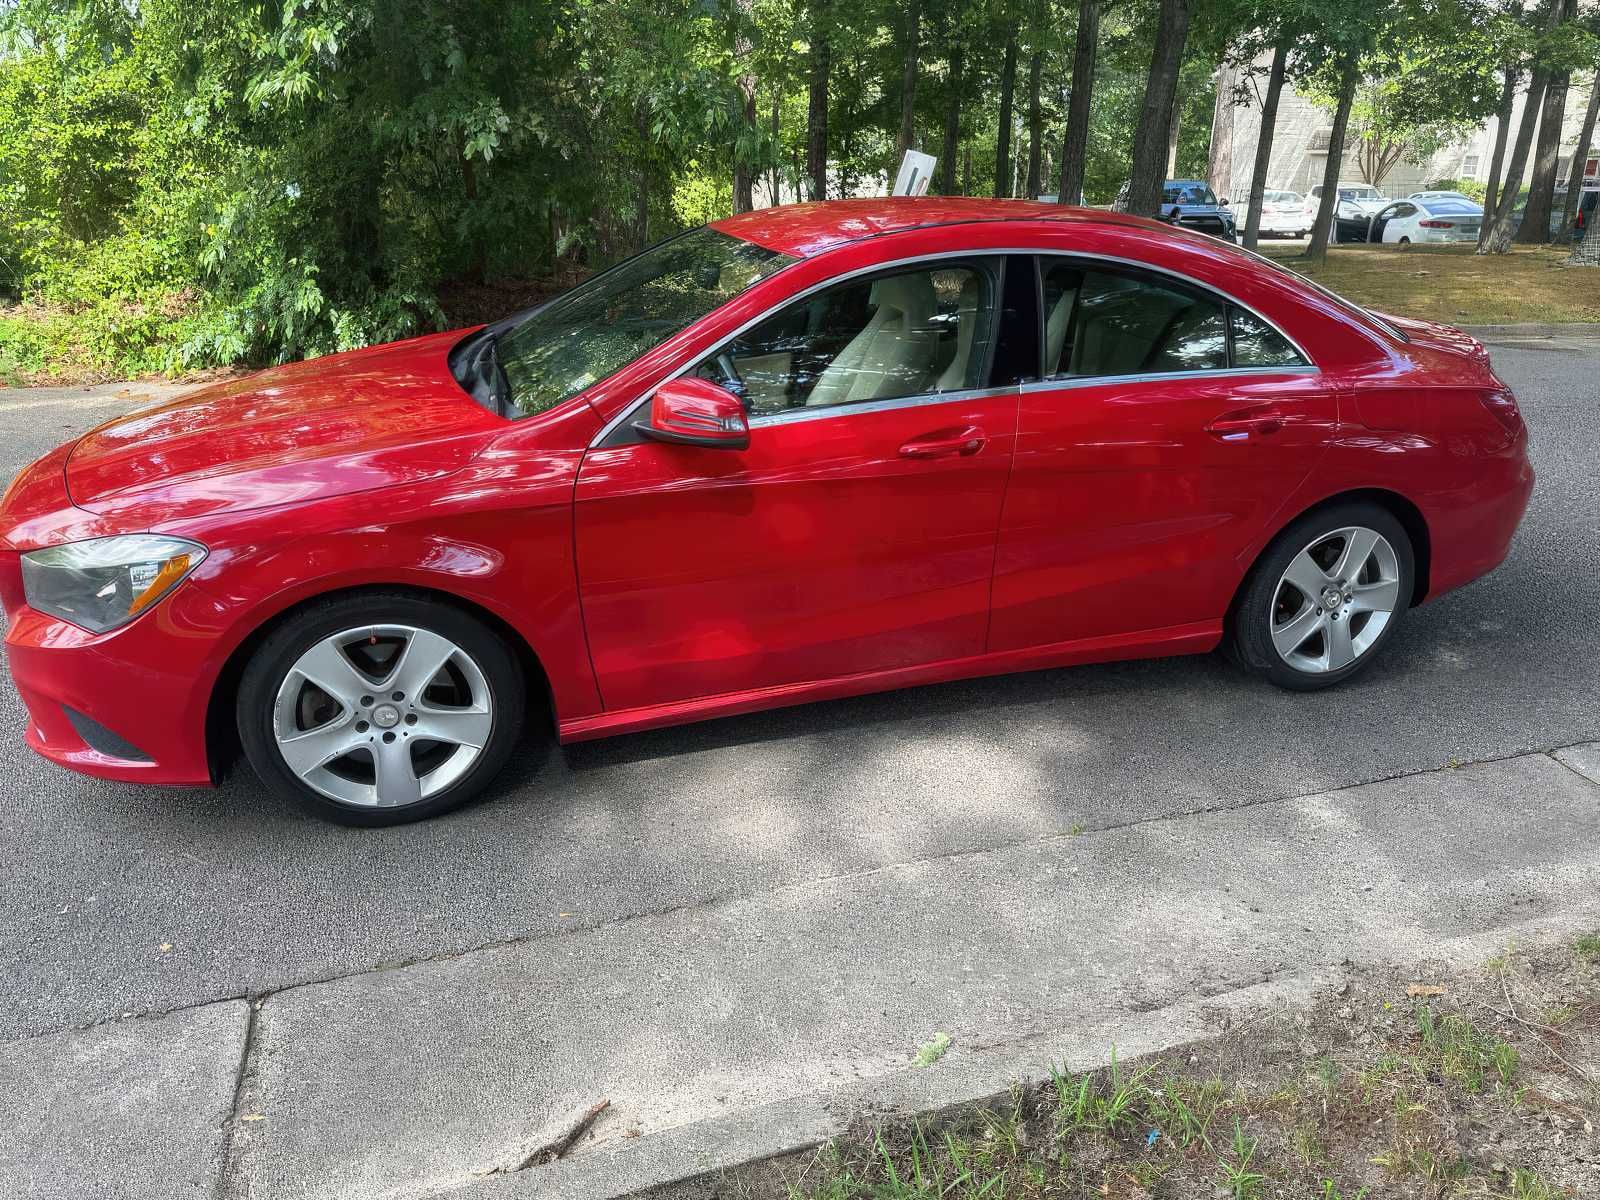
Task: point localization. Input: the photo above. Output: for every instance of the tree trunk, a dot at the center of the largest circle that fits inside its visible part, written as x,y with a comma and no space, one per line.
777,129
817,102
744,170
908,84
1150,139
1035,123
1002,146
1580,159
952,124
1074,145
1508,99
1535,229
1322,232
966,169
1269,122
1498,239
1172,137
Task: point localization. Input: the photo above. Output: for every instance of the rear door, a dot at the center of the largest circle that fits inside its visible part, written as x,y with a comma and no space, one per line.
856,534
1172,428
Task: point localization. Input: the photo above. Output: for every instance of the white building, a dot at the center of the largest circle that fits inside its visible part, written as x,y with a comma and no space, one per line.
1300,145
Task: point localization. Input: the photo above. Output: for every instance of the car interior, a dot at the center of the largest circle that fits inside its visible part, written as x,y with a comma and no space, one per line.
933,330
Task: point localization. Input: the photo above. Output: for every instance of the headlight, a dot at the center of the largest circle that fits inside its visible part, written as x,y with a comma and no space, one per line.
105,582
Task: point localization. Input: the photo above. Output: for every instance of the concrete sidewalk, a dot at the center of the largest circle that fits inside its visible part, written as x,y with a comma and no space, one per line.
787,1009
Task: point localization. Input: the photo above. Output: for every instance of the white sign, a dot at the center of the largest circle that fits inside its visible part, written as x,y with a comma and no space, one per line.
916,173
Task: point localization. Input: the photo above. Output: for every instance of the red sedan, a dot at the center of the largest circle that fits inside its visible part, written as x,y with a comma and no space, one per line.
798,454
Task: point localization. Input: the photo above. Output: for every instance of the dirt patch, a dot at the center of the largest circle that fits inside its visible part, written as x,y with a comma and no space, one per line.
1483,1083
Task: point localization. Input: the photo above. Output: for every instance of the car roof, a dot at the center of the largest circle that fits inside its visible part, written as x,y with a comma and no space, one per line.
803,230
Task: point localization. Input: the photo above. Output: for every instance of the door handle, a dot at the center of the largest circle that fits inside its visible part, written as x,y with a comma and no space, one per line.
1242,423
942,443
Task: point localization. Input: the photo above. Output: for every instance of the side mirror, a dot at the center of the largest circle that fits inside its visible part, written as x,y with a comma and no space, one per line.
696,412
1224,202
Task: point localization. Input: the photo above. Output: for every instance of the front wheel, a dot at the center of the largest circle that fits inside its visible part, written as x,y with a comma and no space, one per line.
379,709
1324,597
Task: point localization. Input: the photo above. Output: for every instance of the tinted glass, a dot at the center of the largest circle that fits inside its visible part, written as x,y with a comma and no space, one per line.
1114,323
1188,193
907,334
1257,344
608,321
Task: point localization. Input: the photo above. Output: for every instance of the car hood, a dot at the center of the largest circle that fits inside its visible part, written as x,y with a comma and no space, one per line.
345,423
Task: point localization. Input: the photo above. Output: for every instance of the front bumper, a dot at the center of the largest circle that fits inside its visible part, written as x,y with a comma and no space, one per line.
127,705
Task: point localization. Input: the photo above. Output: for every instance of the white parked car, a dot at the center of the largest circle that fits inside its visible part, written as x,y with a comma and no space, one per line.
1357,202
1441,219
1441,196
1284,212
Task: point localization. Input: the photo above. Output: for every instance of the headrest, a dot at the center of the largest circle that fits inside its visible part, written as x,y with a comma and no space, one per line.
909,294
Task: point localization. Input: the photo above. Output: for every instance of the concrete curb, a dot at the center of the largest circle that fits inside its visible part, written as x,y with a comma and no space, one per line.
963,1078
1585,329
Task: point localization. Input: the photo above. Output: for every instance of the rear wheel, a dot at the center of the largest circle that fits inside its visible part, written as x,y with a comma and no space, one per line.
1324,597
380,709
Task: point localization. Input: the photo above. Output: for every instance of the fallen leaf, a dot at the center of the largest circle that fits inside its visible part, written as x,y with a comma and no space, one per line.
253,1117
165,946
1424,989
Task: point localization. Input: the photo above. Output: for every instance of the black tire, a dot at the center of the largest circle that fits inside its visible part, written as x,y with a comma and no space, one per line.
278,653
1249,631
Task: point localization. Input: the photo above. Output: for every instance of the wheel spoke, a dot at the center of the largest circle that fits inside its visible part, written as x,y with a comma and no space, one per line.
423,656
396,777
305,752
1341,650
1304,573
1358,545
327,666
1382,596
1289,638
455,726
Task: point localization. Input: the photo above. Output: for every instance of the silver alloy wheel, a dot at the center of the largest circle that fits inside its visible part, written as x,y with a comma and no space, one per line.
1334,599
382,715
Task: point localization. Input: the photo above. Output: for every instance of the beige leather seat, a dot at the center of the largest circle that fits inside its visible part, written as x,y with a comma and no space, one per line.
893,355
954,377
1055,331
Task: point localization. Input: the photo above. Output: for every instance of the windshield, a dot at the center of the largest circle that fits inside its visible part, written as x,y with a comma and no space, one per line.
606,322
1187,193
1453,208
1359,194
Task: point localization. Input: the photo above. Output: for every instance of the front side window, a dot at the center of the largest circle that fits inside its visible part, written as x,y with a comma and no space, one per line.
605,323
907,333
1100,322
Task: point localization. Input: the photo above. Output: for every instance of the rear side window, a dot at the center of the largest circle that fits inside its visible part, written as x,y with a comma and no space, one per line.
1257,344
1100,322
1110,322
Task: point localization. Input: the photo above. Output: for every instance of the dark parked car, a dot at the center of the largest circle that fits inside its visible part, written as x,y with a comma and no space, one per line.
1192,204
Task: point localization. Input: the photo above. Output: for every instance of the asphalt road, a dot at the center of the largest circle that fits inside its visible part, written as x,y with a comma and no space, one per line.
116,899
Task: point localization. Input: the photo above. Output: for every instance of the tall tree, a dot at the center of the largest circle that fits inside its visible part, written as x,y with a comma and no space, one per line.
1349,77
1269,124
1501,224
1074,146
956,57
744,165
1151,138
908,80
1580,160
1535,227
1002,146
1508,98
1035,120
817,98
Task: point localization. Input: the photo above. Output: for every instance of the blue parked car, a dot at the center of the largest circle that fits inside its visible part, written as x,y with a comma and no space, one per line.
1192,204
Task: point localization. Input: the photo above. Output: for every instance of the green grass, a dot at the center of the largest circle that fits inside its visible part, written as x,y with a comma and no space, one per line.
1454,285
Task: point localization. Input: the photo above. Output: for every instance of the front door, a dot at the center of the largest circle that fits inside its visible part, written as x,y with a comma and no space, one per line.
1173,427
856,533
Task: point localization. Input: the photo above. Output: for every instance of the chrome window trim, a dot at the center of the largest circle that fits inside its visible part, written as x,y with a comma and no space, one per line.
791,416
